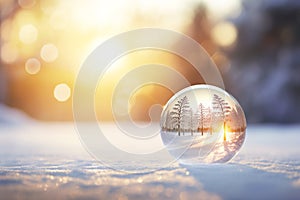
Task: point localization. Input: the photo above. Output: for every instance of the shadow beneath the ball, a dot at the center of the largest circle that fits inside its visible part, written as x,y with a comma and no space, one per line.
233,181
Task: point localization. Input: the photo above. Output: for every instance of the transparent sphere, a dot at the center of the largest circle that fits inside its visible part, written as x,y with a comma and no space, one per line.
203,124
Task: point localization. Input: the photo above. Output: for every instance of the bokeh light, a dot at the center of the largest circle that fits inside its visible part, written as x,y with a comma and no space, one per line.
28,34
32,66
49,52
62,92
224,34
39,39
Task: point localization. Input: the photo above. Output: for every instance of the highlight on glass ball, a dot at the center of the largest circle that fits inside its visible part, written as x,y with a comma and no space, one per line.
203,124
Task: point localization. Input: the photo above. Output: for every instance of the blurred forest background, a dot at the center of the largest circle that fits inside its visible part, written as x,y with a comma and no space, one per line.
255,44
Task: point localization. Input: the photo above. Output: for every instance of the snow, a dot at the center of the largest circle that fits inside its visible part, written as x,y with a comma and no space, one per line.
47,161
206,148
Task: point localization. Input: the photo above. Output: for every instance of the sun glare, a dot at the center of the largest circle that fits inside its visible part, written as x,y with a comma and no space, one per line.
28,34
62,92
43,40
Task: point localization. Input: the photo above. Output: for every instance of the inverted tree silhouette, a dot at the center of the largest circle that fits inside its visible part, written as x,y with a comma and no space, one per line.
182,118
192,121
201,111
204,116
236,122
179,113
167,123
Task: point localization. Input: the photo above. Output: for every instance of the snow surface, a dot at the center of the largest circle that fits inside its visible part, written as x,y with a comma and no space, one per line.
206,148
47,161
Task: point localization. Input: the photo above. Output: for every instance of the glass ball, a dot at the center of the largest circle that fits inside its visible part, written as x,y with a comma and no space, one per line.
203,124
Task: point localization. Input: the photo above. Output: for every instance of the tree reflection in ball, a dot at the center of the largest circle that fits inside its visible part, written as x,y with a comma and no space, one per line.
203,124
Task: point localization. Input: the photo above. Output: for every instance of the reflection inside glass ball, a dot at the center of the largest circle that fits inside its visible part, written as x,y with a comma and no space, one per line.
203,124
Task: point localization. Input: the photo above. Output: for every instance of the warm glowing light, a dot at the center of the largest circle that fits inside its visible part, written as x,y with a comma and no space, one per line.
49,53
224,130
222,8
58,20
26,3
28,34
32,66
224,34
49,7
62,92
33,22
9,53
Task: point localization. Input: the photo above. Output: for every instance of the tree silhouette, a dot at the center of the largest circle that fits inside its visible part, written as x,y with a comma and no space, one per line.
209,119
167,123
224,110
178,113
204,118
201,120
191,121
236,120
233,121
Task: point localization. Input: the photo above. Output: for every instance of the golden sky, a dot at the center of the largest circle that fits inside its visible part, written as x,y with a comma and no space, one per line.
44,43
